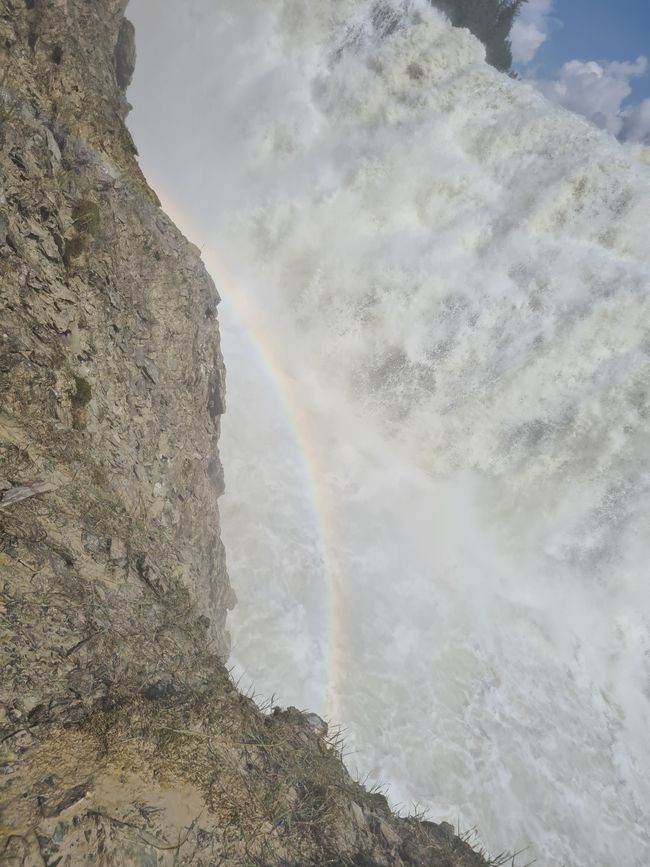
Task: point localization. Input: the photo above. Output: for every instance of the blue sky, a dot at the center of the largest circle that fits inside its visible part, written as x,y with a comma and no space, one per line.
591,56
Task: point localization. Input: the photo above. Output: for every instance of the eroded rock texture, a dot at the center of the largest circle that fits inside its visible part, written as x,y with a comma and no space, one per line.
123,740
111,378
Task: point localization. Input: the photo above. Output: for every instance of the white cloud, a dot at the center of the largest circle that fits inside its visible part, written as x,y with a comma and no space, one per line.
598,91
531,29
636,122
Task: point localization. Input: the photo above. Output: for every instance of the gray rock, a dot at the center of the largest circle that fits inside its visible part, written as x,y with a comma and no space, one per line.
447,831
50,809
59,832
152,371
117,550
358,816
317,723
125,54
52,146
159,690
12,496
100,353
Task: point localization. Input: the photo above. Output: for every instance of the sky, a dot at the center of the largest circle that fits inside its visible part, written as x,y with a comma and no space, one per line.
592,56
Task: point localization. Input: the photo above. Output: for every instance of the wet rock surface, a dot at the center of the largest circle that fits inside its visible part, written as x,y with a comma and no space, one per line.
123,741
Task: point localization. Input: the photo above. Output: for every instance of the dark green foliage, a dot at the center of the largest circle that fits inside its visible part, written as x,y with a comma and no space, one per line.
85,216
79,401
86,223
489,20
73,248
83,392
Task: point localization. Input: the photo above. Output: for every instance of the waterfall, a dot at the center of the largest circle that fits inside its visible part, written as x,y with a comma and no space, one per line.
436,322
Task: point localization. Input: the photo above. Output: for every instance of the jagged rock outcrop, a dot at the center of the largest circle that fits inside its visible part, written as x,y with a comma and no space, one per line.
112,385
123,739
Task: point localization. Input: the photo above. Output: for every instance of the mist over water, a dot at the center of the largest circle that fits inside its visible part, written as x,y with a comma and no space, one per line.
436,323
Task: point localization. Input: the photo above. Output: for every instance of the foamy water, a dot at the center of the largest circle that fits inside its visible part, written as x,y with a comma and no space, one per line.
437,328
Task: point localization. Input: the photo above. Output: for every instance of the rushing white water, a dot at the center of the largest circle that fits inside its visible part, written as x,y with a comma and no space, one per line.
437,326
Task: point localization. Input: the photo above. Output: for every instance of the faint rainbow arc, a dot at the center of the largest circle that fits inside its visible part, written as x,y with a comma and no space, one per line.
306,437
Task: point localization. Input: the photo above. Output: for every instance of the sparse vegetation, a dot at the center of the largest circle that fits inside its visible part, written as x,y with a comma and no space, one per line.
85,217
86,224
83,392
73,248
79,401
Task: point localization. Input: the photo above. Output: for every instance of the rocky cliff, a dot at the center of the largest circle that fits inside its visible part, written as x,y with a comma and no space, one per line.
123,739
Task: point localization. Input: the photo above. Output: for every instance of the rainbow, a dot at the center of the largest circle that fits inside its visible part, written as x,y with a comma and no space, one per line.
306,438
303,429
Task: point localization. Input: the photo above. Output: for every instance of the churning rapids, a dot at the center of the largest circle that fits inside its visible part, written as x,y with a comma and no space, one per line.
436,321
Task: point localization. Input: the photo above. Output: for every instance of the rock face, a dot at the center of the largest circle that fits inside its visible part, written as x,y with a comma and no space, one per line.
111,377
123,739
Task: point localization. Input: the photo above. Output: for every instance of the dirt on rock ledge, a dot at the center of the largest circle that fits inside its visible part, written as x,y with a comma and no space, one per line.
124,741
